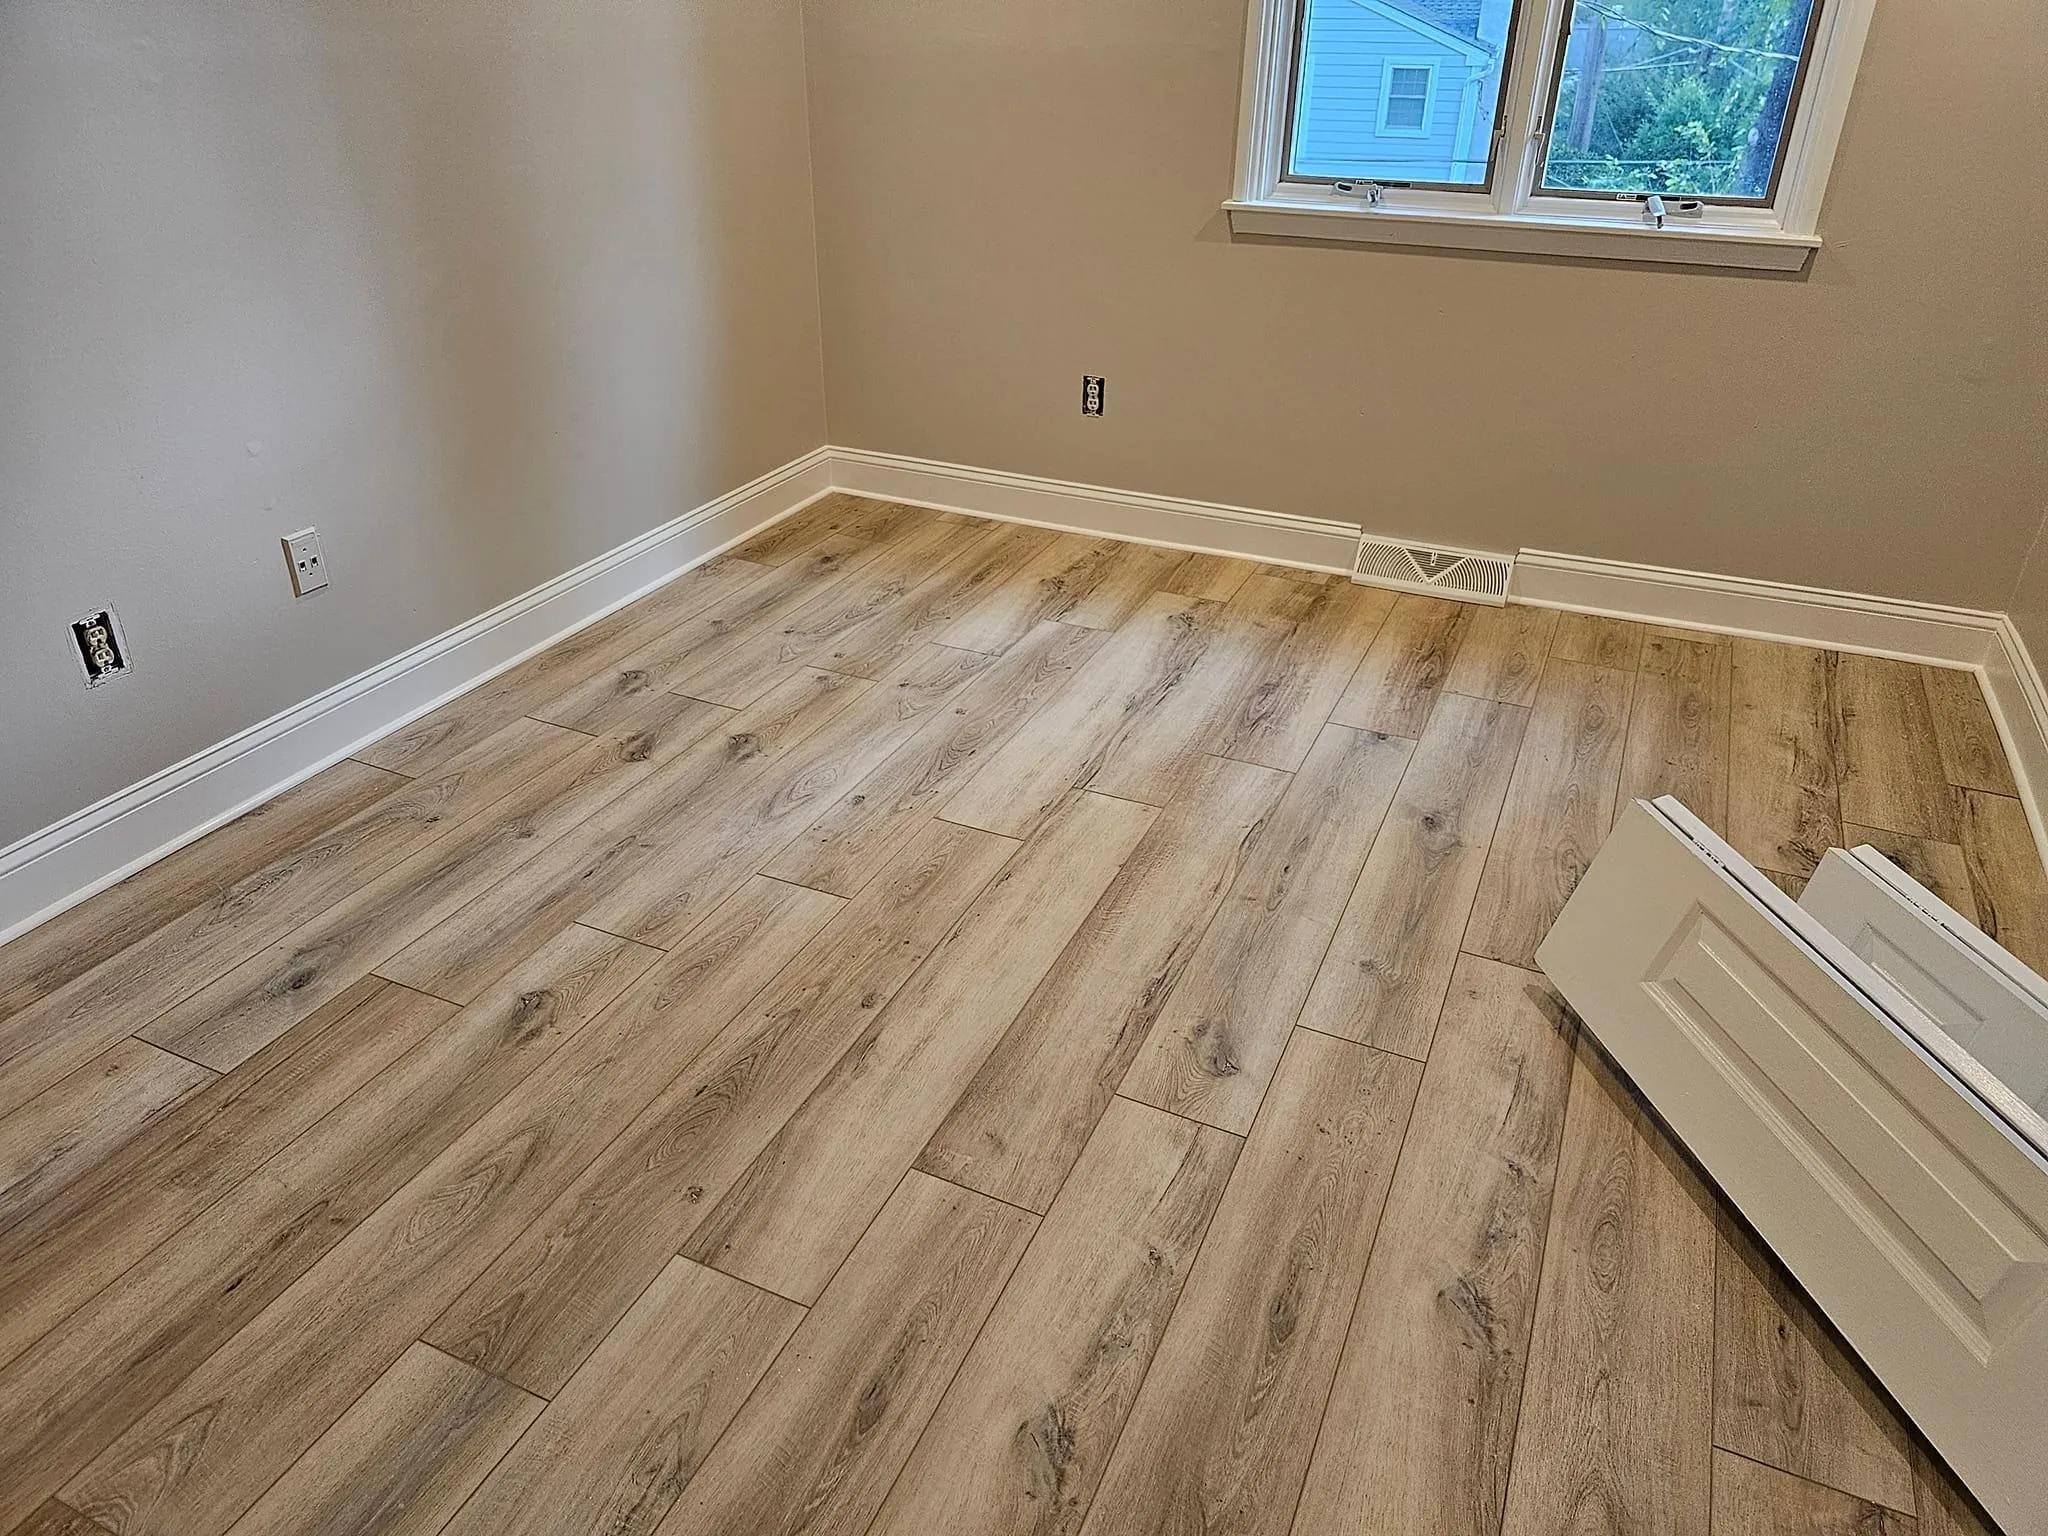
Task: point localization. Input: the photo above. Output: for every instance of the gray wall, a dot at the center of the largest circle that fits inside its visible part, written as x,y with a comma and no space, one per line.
481,287
1014,192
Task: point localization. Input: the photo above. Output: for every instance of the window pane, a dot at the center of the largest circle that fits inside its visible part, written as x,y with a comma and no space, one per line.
1680,97
1399,90
1408,99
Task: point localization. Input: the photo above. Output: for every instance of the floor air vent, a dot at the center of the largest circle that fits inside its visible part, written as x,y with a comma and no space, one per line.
1459,573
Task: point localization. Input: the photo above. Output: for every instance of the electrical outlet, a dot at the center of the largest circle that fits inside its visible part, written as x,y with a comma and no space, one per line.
1091,394
101,649
308,566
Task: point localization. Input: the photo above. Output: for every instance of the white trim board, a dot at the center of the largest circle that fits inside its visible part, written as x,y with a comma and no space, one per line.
1763,610
92,849
1206,527
88,851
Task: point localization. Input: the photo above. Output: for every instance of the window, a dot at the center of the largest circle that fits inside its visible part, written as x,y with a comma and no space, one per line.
1694,131
1405,98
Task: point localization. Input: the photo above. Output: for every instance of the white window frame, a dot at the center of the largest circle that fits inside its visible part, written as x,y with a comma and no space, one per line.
1513,215
1428,68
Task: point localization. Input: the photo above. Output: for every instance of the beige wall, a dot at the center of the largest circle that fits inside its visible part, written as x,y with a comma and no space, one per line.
1014,192
481,287
2030,600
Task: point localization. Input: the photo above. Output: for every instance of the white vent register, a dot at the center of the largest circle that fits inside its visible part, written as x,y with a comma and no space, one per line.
1866,1077
1469,574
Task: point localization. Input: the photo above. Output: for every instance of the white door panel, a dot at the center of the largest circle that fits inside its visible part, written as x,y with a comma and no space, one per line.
1800,1077
1990,1012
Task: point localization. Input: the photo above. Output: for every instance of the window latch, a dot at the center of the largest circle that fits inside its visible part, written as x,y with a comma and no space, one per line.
1657,208
1374,194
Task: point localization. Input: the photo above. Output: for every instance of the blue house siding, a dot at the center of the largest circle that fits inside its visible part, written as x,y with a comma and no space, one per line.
1346,48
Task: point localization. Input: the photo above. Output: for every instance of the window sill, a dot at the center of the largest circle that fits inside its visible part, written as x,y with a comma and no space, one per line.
1530,234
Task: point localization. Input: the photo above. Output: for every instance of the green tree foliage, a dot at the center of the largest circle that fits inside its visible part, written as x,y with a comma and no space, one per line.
1681,97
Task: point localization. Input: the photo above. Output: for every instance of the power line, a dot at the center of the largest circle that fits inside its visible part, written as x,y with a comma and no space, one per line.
1653,30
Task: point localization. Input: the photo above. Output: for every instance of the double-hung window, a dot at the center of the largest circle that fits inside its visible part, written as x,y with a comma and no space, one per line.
1693,131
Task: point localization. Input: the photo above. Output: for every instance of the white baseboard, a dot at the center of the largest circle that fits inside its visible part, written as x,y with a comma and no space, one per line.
1170,521
90,850
1763,610
2019,703
86,852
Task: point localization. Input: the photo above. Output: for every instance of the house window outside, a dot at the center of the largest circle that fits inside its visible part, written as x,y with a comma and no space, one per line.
1373,86
1405,99
1677,116
1682,99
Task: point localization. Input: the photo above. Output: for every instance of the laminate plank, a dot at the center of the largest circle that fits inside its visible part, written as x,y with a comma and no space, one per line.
2006,875
1284,703
1502,655
1020,1440
738,674
1154,764
1689,632
1559,807
818,1444
1420,1428
596,701
1617,1402
1679,728
253,1003
1784,1393
1216,1045
403,1458
1122,584
209,1447
1395,687
1594,641
1024,1117
132,1341
1784,809
1111,700
1390,963
871,822
1051,586
878,643
438,736
708,854
1219,1437
55,1519
1972,755
60,1252
37,963
50,1038
629,1431
548,1299
638,827
1944,1509
837,514
1892,773
801,1205
1755,1500
83,1119
1940,867
1213,578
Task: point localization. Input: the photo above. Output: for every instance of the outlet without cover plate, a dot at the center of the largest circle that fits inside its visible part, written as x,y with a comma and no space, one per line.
102,649
308,565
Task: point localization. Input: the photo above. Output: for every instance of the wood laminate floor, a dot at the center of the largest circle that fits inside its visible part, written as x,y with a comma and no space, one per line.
932,1027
